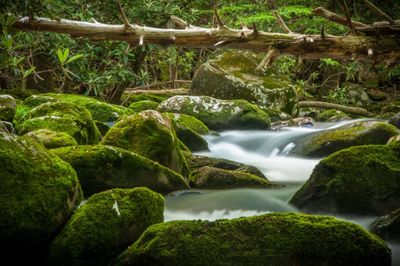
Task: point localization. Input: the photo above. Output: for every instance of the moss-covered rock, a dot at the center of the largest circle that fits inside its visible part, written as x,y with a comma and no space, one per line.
197,161
101,168
100,111
294,122
143,105
38,192
7,127
388,227
361,180
63,117
52,139
323,143
270,239
183,128
105,225
190,122
215,178
150,134
395,120
218,114
332,115
130,97
103,127
7,108
232,75
393,140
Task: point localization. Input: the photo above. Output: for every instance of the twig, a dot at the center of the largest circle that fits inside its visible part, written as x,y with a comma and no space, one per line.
347,14
221,25
281,23
268,60
121,11
375,9
320,11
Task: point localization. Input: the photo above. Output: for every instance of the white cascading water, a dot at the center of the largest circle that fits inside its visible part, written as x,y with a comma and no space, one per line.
268,151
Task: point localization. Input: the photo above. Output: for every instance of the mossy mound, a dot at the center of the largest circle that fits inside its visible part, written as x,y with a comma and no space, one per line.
183,128
128,98
394,140
52,139
101,168
332,115
100,111
324,143
151,135
361,180
63,117
198,161
105,225
270,239
233,75
190,122
218,114
388,227
215,178
143,105
7,108
38,192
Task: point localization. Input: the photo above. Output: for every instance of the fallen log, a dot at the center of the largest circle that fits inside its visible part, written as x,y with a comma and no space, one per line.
343,108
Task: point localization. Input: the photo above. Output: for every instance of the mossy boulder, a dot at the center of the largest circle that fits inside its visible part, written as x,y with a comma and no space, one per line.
388,227
233,75
105,225
270,239
62,117
360,180
183,128
215,178
332,115
323,143
100,111
393,140
197,161
190,122
38,192
7,108
157,95
52,139
395,120
100,168
294,122
218,114
7,127
150,134
143,105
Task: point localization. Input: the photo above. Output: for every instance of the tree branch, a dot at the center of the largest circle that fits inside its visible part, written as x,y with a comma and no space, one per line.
347,14
281,23
375,9
121,11
343,108
320,11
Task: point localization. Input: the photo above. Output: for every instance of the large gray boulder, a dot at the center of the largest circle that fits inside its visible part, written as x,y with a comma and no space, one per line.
233,76
218,114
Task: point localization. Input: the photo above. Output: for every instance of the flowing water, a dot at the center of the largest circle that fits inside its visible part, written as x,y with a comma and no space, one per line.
269,152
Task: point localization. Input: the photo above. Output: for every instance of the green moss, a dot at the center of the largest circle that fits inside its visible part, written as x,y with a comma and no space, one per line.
183,125
63,117
151,135
7,108
360,133
143,105
105,225
189,122
103,167
214,178
99,110
129,98
52,139
38,193
271,239
332,115
365,176
218,114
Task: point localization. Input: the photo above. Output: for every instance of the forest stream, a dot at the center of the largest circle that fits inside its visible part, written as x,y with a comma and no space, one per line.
268,151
